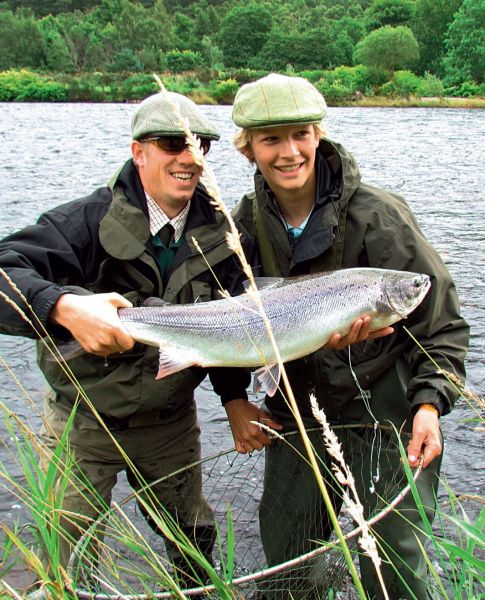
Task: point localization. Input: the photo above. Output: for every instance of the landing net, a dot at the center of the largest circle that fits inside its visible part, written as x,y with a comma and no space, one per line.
131,560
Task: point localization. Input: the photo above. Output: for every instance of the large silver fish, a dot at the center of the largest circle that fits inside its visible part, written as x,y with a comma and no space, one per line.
304,312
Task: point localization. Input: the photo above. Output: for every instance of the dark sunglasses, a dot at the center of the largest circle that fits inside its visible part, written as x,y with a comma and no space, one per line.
175,144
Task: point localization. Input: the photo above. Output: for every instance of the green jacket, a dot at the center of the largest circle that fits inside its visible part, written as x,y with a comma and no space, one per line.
102,243
358,225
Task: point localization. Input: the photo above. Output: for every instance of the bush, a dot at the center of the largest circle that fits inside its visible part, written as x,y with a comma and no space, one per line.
125,60
138,86
430,85
243,75
181,61
24,85
343,82
407,83
467,89
225,91
182,84
313,76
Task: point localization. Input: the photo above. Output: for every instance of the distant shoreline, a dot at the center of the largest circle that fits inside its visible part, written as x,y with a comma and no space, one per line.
435,102
365,102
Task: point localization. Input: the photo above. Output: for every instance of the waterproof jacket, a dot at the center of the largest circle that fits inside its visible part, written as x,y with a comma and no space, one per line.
102,243
358,225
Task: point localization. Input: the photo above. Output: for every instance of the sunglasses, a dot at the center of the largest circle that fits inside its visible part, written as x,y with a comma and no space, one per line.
175,144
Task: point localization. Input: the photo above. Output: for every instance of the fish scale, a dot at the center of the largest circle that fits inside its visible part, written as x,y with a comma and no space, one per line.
303,312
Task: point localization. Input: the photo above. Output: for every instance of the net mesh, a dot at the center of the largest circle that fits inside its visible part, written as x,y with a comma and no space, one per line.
129,560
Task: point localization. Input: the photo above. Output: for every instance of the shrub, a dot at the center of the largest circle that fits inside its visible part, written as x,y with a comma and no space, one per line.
243,75
138,86
125,60
466,89
406,83
180,61
225,91
430,85
24,85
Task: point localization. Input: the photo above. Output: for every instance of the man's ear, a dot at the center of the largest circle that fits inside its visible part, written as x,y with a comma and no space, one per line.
138,153
248,153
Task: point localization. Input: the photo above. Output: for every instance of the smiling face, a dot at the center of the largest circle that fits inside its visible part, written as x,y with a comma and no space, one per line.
169,178
286,157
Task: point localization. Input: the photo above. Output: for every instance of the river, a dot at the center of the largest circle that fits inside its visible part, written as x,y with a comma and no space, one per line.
52,153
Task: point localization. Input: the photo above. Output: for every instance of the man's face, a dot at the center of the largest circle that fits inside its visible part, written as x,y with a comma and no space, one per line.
285,156
168,177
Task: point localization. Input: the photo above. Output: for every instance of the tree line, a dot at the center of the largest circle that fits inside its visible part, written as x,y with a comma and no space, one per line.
439,38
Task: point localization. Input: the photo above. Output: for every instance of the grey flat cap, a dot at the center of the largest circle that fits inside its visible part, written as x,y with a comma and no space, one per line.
156,115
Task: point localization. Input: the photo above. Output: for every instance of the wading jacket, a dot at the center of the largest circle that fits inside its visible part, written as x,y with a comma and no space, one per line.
357,225
101,243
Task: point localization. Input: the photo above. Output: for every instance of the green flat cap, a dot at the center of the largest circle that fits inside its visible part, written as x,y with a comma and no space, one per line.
156,115
278,100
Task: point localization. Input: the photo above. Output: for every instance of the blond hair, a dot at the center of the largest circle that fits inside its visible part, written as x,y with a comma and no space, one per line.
242,140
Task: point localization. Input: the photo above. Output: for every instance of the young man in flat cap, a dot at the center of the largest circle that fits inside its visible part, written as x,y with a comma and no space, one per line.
310,212
81,261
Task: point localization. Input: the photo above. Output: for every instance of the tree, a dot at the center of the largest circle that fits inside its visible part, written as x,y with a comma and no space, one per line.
354,28
279,50
183,32
58,56
388,48
206,22
244,30
42,8
389,12
465,43
21,42
430,25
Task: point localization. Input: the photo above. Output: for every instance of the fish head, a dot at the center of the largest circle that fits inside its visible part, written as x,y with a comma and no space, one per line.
404,291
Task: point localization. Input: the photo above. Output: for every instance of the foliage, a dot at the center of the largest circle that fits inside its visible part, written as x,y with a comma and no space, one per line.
431,21
430,85
21,41
244,30
225,91
178,62
80,36
388,48
57,54
467,89
25,85
389,12
465,43
343,82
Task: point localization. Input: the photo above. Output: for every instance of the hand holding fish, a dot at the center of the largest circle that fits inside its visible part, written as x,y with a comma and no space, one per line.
93,321
426,438
247,436
359,332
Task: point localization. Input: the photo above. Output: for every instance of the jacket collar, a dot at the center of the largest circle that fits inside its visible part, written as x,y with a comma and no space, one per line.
124,231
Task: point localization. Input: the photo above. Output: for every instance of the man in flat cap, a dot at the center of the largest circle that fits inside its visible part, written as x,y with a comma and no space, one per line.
310,212
123,243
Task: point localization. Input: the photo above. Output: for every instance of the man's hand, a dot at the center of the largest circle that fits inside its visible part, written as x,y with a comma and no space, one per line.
247,436
426,437
359,332
93,321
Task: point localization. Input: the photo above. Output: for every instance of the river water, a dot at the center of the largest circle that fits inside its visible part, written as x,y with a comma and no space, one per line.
52,153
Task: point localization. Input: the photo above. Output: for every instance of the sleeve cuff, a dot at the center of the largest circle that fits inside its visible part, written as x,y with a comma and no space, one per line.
230,383
429,396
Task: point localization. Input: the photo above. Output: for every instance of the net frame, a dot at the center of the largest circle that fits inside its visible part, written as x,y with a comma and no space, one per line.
246,581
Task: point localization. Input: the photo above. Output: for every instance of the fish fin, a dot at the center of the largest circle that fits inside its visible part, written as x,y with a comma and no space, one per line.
264,282
154,301
267,379
172,361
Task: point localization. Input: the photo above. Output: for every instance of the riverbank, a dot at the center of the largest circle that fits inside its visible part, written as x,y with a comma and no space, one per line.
343,86
415,102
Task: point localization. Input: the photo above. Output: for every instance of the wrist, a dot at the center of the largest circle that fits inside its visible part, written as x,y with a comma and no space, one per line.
429,407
